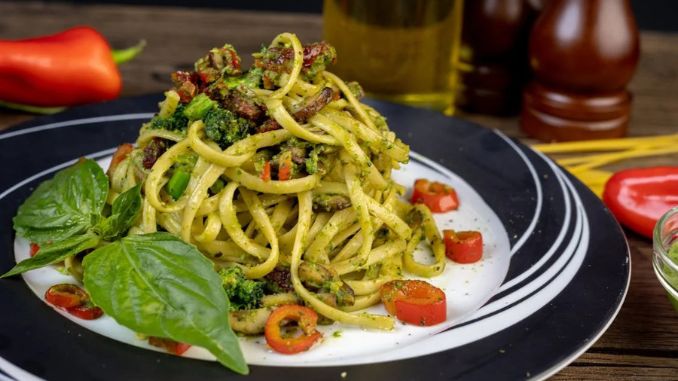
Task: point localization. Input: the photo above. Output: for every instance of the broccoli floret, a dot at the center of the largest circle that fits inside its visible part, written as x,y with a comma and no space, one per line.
316,162
312,162
243,293
185,162
198,107
175,122
251,79
225,128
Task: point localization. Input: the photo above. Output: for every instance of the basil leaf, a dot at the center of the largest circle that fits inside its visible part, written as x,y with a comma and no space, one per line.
158,285
68,204
124,211
56,252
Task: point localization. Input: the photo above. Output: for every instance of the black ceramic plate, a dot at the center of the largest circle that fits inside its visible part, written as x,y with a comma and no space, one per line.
568,274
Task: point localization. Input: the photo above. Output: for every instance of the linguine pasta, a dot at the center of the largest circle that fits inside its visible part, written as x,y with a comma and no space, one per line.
236,215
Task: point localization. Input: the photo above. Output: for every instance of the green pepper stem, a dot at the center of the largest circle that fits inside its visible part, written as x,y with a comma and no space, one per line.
124,55
31,109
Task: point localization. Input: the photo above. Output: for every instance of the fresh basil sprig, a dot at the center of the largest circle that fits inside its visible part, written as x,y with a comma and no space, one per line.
154,284
124,211
64,215
56,252
68,204
158,285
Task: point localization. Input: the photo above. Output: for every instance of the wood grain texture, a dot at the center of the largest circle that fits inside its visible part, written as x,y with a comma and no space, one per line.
641,344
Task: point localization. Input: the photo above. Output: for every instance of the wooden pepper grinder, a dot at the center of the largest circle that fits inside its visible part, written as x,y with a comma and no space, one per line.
583,54
494,49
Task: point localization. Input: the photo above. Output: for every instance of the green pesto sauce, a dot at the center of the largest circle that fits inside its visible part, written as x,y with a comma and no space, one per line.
670,274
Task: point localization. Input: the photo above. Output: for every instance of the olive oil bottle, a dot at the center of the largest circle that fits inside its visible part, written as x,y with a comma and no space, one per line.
400,50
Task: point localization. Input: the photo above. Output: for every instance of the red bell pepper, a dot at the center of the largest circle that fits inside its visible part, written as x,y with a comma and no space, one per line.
69,68
266,171
285,169
638,197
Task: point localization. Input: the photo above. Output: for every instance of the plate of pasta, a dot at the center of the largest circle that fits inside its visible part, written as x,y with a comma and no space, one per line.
272,221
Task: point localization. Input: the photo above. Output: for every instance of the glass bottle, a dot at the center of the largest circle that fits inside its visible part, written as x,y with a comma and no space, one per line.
400,50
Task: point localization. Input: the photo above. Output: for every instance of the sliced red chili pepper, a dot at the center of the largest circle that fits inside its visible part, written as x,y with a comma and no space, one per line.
169,345
438,197
34,249
306,320
74,300
415,302
285,169
463,246
638,197
66,295
86,311
266,172
181,348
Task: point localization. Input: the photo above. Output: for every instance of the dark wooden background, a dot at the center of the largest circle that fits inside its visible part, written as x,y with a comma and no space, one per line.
641,344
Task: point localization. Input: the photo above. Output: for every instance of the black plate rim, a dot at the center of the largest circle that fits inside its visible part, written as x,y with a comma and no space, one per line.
21,130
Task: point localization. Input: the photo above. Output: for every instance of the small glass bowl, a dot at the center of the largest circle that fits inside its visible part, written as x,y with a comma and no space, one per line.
666,266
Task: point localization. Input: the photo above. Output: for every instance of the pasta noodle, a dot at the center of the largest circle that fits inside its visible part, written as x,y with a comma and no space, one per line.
339,209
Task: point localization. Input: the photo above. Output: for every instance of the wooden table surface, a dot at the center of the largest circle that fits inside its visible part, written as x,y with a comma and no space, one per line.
641,344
